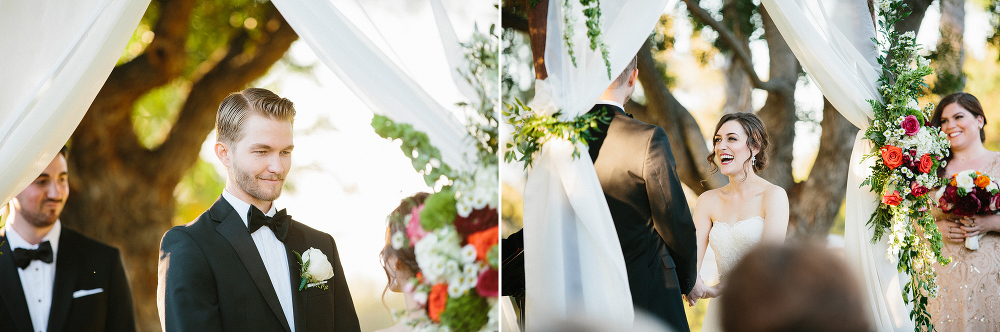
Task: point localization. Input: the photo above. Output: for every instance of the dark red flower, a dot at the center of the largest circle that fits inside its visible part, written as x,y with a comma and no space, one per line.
478,220
488,284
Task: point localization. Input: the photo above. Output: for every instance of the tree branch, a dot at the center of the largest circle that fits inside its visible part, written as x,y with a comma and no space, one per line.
164,58
740,49
239,67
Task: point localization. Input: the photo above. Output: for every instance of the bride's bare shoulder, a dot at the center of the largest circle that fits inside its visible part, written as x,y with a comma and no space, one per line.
774,192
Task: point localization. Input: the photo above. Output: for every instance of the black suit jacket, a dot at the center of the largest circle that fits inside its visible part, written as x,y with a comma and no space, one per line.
211,278
637,173
81,264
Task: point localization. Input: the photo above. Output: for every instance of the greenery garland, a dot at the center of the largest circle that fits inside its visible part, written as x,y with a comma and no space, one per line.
532,130
909,152
592,11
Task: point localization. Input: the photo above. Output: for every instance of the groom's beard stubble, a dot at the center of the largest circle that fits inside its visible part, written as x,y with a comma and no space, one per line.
248,183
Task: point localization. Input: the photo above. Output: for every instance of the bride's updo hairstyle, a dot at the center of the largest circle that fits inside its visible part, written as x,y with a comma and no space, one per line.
405,257
756,139
968,102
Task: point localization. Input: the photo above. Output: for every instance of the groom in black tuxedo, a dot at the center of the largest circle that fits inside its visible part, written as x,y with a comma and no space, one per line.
235,267
53,278
637,172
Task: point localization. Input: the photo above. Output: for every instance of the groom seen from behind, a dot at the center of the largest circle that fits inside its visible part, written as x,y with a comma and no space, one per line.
637,173
236,267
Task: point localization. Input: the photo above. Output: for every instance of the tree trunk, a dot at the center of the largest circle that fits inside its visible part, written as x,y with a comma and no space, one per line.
778,113
121,192
918,10
950,53
686,140
816,201
739,87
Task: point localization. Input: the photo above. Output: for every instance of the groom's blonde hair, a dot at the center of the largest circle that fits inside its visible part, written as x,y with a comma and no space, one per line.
234,109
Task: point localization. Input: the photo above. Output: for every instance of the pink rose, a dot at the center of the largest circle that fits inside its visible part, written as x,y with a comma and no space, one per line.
413,230
910,125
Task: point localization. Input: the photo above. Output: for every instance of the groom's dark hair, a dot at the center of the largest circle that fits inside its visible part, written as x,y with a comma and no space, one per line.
623,77
236,106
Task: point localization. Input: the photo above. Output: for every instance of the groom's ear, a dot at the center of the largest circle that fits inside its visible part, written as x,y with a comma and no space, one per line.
632,77
222,152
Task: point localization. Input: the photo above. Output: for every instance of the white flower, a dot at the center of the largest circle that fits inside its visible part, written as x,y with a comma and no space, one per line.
317,265
463,209
455,290
913,102
420,298
965,181
909,35
398,239
992,186
468,254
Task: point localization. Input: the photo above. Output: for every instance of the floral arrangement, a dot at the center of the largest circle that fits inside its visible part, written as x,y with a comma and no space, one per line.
969,193
454,235
909,153
455,232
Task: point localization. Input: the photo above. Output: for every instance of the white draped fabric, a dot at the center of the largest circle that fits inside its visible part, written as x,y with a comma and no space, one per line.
574,266
54,59
373,77
832,40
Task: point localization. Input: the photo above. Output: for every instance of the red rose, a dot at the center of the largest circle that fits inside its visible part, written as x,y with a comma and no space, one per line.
892,199
892,156
488,284
917,190
478,220
484,241
436,301
926,162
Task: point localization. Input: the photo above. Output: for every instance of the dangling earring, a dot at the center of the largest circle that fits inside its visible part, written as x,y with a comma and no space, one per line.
753,160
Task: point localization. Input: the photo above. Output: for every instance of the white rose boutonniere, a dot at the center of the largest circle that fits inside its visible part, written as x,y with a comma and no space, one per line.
316,269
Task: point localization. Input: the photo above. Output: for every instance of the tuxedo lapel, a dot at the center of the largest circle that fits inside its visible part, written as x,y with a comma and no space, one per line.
13,297
295,241
67,265
236,232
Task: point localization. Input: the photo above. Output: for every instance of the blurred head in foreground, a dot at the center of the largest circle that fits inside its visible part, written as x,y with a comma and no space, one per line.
797,287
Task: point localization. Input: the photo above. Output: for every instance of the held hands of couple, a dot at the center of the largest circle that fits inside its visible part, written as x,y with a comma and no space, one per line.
958,229
701,291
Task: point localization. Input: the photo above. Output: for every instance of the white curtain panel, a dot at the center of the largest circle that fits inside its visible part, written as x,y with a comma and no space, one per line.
574,265
55,56
373,77
453,51
832,40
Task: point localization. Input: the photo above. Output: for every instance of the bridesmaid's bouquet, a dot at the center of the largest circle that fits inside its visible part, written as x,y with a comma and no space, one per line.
969,193
454,235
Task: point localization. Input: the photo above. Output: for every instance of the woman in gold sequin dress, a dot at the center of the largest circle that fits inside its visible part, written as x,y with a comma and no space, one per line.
969,294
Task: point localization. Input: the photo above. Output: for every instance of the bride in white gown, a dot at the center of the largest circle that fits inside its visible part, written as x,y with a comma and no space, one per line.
748,210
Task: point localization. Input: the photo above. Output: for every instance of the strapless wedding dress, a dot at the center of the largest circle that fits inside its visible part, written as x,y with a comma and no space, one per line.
730,243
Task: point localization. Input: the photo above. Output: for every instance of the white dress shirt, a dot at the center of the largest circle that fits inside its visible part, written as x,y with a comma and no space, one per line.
272,252
611,102
38,278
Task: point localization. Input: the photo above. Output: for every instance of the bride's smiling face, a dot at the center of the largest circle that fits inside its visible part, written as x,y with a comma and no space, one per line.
731,150
961,126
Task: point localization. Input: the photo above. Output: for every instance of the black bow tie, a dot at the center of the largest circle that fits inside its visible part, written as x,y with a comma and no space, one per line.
278,224
23,257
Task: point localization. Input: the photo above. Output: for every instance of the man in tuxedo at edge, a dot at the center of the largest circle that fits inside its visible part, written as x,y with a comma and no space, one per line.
234,268
637,173
53,278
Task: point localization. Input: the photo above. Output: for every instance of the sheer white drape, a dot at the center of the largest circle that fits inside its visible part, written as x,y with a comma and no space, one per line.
54,59
373,77
574,265
832,40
